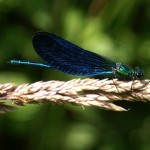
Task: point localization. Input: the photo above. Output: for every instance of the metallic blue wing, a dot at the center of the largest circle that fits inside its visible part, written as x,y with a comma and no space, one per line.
69,58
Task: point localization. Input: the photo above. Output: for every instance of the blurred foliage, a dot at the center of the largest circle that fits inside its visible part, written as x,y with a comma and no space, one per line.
118,29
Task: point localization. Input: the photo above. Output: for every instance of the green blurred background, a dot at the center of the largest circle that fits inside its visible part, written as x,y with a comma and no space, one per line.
119,29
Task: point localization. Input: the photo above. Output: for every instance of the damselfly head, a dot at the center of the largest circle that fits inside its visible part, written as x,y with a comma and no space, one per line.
138,73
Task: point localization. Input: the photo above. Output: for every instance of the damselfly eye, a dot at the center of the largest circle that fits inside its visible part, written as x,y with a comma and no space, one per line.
138,73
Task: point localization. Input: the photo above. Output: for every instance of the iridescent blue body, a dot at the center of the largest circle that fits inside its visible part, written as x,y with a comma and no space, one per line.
69,58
